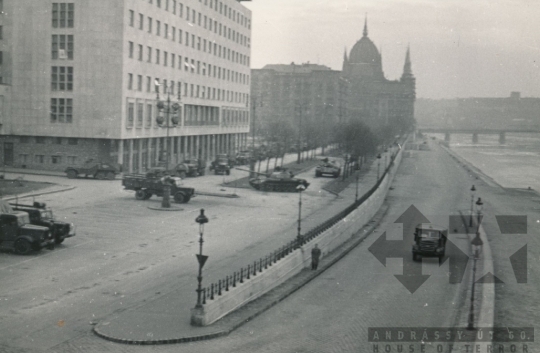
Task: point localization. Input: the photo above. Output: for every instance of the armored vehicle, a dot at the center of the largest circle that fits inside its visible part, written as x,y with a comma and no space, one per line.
41,215
243,157
94,169
222,165
281,180
153,184
429,240
190,167
16,233
328,168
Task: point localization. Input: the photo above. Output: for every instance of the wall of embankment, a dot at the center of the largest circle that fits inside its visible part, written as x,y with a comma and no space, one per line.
282,268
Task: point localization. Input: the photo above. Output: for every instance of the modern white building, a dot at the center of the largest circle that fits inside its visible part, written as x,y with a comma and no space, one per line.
78,80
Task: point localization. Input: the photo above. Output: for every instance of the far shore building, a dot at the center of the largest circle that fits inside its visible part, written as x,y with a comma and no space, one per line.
79,79
359,91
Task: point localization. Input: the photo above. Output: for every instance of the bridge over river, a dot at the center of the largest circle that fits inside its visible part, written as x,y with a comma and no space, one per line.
475,132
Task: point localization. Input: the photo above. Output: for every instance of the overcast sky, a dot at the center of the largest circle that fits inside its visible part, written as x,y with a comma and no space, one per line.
459,48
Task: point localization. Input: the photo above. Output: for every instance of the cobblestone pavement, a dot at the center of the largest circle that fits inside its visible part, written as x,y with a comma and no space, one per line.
332,313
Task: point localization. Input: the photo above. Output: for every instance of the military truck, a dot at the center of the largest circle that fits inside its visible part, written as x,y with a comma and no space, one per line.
328,167
222,164
41,215
153,182
243,157
17,234
190,167
429,240
94,169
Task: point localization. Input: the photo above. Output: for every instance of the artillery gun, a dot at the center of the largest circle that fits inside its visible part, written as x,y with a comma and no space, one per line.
279,180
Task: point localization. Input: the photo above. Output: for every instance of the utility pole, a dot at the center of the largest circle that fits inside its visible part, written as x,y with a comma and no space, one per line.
253,157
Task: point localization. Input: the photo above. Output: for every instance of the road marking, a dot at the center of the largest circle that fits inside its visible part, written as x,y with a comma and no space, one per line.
50,253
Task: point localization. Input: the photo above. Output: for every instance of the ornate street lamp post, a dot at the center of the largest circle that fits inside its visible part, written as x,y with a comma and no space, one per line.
477,249
167,118
385,158
473,189
201,219
300,189
479,205
356,194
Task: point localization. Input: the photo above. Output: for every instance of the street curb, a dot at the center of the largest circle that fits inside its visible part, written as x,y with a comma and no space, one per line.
231,196
170,209
332,258
66,188
487,299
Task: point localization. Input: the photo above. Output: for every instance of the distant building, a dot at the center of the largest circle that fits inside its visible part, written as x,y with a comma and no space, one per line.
296,92
369,96
78,80
317,93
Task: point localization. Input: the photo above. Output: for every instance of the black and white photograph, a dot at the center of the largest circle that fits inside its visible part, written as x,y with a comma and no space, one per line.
281,176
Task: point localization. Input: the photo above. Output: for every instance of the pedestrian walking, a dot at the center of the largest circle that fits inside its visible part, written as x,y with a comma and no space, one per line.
315,256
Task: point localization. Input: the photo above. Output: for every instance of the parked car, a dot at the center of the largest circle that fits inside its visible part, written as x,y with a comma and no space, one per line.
94,169
222,164
41,215
17,234
152,183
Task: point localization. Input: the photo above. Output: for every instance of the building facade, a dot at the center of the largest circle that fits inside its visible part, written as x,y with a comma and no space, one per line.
369,96
80,79
296,92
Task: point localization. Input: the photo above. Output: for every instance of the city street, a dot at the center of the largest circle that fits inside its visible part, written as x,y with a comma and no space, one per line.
125,254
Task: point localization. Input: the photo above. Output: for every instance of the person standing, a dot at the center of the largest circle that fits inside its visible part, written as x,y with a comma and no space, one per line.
315,256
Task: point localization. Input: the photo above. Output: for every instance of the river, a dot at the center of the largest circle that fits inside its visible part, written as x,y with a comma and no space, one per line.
515,164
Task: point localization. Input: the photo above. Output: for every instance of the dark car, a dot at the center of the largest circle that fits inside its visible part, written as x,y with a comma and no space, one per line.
41,215
93,168
429,240
222,165
16,233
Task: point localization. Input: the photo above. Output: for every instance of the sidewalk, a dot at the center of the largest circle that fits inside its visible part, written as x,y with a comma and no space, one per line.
166,319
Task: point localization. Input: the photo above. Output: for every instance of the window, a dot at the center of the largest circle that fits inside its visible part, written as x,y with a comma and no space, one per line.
158,3
61,110
40,140
158,28
140,112
130,113
149,54
165,30
23,158
174,7
1,32
179,62
181,10
131,17
166,5
73,141
172,60
187,39
148,115
180,36
62,15
149,24
139,82
187,13
140,52
148,84
165,58
131,49
39,158
62,46
72,160
56,159
62,78
157,56
141,21
130,81
173,32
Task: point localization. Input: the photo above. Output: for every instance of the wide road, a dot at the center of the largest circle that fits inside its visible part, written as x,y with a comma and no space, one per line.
124,253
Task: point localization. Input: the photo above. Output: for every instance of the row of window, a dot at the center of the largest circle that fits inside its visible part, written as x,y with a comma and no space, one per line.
61,110
62,46
63,15
44,140
189,90
201,68
169,31
62,78
42,159
205,46
215,5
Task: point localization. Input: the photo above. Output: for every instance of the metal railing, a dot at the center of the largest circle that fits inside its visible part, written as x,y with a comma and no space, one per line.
253,269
